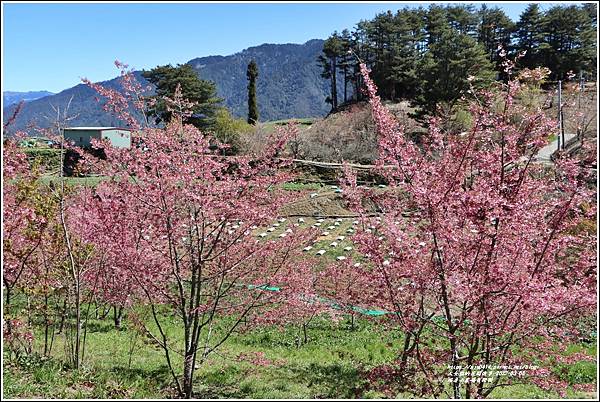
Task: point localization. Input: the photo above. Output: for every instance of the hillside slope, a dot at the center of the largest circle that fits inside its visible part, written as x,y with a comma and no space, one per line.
289,85
289,82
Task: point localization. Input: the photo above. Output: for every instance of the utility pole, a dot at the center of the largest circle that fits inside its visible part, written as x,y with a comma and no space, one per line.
561,138
579,94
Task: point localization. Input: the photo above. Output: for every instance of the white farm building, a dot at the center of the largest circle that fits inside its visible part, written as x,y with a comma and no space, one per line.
82,136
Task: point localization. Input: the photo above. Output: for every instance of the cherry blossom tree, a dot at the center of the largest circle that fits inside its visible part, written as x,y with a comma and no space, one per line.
21,227
488,261
175,227
36,253
20,221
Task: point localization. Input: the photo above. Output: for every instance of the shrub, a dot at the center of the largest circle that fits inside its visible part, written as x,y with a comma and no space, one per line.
46,158
229,130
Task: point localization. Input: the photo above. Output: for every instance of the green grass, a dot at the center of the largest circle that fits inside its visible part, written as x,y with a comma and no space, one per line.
270,126
327,366
93,181
304,121
90,181
295,186
330,365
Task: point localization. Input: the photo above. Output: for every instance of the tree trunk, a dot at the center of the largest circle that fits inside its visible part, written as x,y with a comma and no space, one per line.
305,333
345,84
7,311
78,325
334,101
105,312
117,316
454,362
63,316
188,375
46,324
7,292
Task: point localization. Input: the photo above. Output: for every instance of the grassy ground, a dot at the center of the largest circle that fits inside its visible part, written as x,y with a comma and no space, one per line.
294,186
91,181
329,365
303,121
270,126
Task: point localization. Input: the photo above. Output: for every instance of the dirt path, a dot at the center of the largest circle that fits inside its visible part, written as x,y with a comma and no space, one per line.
545,154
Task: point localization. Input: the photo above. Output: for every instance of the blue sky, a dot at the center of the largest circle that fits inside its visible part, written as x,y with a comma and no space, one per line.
51,46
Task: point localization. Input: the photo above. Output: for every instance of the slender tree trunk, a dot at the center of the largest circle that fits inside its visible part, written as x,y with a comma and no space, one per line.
63,316
334,100
132,349
8,294
46,334
75,273
118,316
454,362
7,310
305,333
78,325
405,352
345,84
188,374
46,324
105,312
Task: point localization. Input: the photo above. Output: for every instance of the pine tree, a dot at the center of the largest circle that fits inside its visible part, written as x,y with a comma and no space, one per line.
588,53
406,53
529,35
381,34
252,74
495,28
332,52
436,23
201,92
463,18
569,42
362,48
411,53
347,60
325,65
445,69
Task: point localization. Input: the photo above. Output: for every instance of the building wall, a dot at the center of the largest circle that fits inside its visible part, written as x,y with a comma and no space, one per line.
81,138
118,138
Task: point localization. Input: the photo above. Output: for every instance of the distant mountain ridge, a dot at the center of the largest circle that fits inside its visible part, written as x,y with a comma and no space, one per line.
289,85
12,97
289,81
